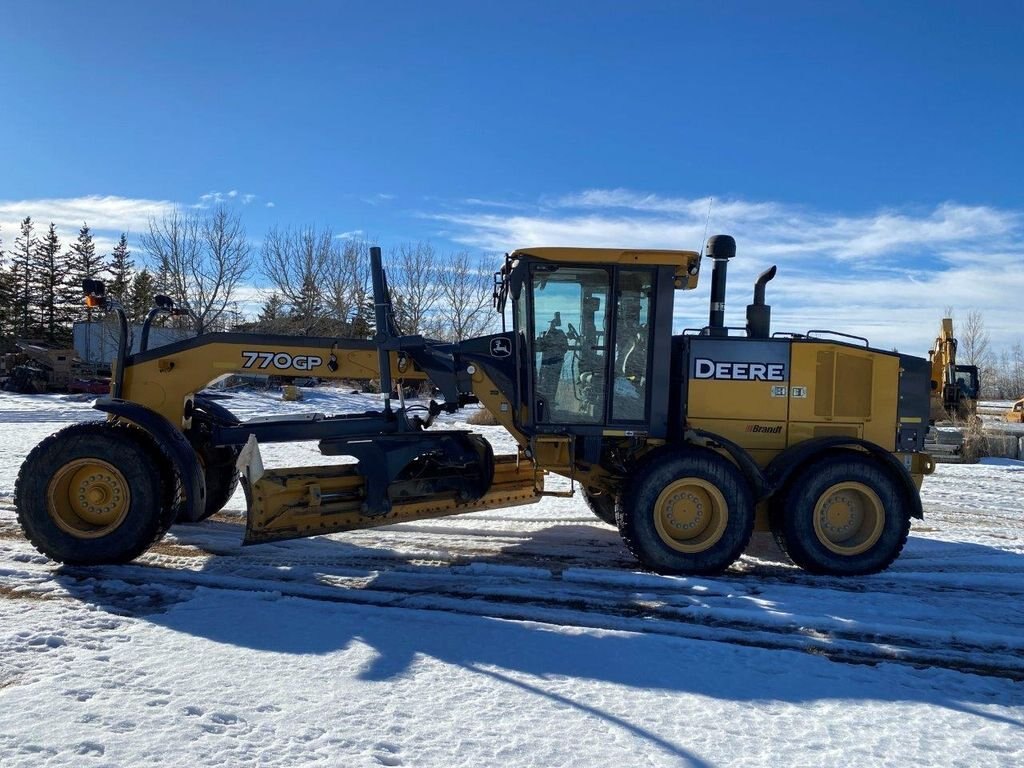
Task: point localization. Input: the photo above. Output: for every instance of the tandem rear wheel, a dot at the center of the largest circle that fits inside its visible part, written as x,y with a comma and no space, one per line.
843,514
93,493
686,512
602,504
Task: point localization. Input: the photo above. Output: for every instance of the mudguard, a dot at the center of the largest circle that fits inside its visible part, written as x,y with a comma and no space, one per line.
743,459
172,444
791,459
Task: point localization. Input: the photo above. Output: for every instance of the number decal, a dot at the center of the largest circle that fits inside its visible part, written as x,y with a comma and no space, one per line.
279,360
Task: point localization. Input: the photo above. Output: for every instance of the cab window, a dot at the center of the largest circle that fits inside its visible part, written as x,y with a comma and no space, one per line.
632,340
570,345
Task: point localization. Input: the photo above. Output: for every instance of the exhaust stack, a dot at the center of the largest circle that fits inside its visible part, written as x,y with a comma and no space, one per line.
759,314
721,248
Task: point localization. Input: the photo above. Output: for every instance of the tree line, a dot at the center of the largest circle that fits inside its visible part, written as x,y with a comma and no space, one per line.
1001,372
317,283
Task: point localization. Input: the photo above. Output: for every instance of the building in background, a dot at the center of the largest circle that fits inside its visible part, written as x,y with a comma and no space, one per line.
96,342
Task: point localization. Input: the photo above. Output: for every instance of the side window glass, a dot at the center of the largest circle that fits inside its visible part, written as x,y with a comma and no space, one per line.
570,321
632,340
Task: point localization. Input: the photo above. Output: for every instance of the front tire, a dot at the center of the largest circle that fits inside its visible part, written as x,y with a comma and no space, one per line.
842,515
92,493
687,512
221,476
217,461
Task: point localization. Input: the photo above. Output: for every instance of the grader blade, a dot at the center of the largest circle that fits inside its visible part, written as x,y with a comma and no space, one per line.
291,503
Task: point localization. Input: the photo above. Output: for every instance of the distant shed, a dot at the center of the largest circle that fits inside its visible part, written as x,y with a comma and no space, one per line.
96,342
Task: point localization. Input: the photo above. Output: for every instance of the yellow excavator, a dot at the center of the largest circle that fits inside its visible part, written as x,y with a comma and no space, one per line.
686,442
955,387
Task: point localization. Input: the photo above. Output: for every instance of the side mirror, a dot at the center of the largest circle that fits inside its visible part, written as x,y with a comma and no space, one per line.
164,302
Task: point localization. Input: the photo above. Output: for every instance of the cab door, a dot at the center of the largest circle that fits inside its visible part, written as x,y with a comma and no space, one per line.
569,327
630,361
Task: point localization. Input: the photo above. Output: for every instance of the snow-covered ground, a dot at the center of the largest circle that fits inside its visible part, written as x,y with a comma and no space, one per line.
524,637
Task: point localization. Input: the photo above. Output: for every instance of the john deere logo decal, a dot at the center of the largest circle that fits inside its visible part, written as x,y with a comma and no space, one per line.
501,347
738,371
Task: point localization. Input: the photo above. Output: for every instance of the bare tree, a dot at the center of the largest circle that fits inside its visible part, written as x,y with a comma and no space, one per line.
349,288
466,290
413,280
202,260
973,347
1016,377
299,263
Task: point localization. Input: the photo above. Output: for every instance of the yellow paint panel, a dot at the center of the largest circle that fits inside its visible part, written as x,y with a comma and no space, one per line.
848,392
164,383
748,400
759,437
684,262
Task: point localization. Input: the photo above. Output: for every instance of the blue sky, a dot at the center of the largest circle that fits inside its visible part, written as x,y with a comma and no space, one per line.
873,150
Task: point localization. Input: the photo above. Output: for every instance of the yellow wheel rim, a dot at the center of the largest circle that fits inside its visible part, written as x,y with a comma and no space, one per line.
88,498
849,518
691,514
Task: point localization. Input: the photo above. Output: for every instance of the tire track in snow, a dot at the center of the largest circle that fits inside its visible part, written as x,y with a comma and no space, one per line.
512,596
723,610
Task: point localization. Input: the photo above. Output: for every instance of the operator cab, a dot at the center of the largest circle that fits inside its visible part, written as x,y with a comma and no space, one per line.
967,381
593,327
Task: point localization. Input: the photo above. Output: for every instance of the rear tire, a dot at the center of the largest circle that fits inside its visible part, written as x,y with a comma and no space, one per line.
687,512
92,493
842,515
602,505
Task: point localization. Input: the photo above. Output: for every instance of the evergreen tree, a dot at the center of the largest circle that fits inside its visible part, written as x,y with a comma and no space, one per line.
141,296
272,317
83,264
363,324
49,272
308,311
21,277
121,267
6,297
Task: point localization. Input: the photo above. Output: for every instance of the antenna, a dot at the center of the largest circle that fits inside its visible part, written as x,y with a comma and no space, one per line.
707,222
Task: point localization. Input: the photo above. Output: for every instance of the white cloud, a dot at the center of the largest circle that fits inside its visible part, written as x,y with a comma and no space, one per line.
107,216
351,235
885,274
270,204
219,198
378,199
99,212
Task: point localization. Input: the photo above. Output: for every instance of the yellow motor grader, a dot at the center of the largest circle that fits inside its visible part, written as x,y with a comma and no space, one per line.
685,442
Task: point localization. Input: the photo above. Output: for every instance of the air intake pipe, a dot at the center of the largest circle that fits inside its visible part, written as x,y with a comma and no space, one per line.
721,248
759,314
